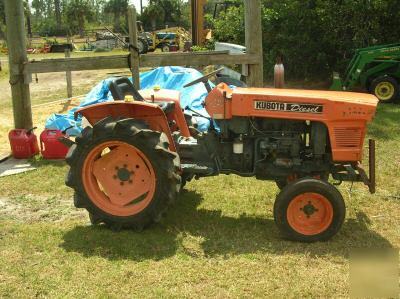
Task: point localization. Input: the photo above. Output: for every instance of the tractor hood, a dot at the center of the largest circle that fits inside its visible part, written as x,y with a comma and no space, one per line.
341,96
293,103
345,114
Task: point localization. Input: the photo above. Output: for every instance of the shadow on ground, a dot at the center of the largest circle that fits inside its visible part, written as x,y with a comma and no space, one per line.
218,235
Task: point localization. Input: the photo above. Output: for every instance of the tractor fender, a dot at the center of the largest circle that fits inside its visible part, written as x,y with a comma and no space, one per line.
152,114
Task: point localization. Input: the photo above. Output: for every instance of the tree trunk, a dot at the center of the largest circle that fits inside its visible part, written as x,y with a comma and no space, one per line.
81,23
117,27
29,24
57,6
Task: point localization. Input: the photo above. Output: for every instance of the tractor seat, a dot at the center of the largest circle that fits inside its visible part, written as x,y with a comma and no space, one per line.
122,87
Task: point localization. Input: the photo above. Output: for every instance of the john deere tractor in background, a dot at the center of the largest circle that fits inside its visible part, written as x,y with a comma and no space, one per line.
374,69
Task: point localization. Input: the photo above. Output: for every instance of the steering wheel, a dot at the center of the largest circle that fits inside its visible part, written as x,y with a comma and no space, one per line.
204,80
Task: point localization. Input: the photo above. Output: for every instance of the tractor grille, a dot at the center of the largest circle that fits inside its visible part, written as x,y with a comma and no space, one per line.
348,137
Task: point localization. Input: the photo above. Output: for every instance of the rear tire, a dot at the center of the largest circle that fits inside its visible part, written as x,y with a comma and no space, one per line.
165,48
385,88
309,210
128,183
143,46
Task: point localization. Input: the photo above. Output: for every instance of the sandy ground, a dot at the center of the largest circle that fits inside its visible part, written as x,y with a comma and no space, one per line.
51,87
52,82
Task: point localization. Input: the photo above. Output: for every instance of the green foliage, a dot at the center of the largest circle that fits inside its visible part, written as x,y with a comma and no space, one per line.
64,17
229,26
2,14
160,13
315,37
209,46
2,19
78,12
118,8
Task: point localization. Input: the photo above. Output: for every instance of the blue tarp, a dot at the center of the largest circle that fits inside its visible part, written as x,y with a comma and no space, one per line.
165,77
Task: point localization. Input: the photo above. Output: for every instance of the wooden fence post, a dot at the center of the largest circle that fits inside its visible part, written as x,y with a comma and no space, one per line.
253,31
16,42
133,40
68,75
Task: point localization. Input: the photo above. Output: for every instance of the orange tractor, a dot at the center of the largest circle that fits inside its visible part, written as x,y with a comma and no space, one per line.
130,164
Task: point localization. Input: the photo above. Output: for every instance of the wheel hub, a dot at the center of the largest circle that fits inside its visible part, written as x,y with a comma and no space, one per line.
310,213
384,91
309,209
119,178
124,175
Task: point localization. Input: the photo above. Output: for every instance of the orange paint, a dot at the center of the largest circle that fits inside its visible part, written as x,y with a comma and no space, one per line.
118,178
164,95
148,112
218,106
310,214
345,114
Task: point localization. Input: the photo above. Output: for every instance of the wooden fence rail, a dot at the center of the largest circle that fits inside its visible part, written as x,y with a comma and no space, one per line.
21,69
148,60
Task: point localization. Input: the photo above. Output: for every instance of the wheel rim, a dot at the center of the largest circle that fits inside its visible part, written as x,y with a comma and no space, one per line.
310,214
385,91
165,48
118,178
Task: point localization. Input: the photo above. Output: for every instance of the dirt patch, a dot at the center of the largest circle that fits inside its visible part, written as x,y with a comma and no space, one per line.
50,82
29,209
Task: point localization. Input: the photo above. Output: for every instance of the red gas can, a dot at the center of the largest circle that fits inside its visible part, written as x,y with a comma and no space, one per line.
50,146
23,143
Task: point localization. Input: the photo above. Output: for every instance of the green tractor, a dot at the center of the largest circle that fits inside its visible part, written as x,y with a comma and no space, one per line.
374,69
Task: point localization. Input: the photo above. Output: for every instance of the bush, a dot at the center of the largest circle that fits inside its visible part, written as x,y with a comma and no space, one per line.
315,37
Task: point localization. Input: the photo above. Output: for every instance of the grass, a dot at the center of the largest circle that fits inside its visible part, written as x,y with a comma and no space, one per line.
219,240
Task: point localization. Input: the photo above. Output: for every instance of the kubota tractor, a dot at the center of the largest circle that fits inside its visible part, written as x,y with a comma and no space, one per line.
130,164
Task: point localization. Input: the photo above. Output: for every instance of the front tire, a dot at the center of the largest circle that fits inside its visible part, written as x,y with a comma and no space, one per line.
309,210
283,182
123,174
385,88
